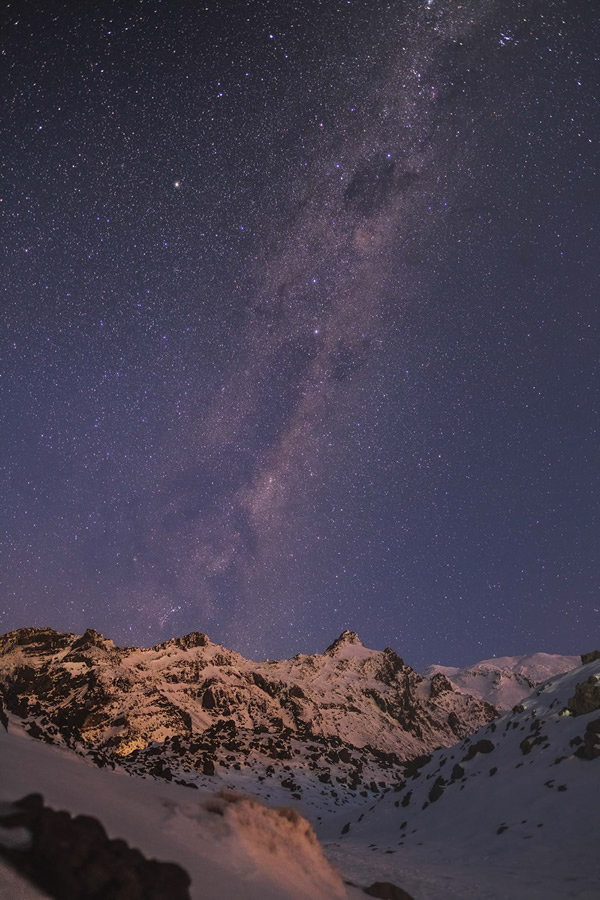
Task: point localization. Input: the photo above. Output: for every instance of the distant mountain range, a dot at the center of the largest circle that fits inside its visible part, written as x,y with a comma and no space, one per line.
505,680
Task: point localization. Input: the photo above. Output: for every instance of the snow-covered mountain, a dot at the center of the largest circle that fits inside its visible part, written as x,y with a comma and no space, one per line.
320,730
507,811
511,810
505,680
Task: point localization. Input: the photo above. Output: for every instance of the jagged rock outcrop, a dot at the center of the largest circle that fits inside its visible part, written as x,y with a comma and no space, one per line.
342,723
592,656
72,858
346,639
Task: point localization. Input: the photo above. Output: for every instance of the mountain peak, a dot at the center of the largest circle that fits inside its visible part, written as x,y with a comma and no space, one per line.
185,642
345,638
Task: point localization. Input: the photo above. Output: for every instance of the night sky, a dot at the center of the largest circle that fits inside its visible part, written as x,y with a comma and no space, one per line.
300,323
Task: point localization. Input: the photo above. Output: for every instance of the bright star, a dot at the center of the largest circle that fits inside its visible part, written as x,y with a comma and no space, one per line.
176,184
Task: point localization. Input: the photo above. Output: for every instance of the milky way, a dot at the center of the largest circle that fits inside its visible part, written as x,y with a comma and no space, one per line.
299,331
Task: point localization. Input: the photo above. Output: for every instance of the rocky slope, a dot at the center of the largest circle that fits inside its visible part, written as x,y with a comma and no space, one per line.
520,795
95,834
505,680
320,729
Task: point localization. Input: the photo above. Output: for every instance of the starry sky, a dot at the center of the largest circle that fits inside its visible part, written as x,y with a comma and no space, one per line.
299,323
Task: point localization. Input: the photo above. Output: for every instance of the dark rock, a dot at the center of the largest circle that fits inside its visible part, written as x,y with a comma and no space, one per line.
89,638
385,890
483,746
186,642
591,740
208,699
413,767
391,666
440,685
528,744
437,790
73,859
592,656
587,697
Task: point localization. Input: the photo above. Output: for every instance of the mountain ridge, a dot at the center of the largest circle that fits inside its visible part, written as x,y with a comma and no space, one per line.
339,725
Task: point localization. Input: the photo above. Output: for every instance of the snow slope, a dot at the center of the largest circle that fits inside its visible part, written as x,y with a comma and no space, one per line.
505,680
510,812
230,847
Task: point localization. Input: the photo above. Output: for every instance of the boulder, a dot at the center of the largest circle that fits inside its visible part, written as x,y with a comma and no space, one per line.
72,857
483,746
591,740
386,891
587,697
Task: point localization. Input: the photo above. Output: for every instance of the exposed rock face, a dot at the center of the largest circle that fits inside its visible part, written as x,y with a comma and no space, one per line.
193,639
587,697
591,740
346,638
73,859
3,716
190,710
592,656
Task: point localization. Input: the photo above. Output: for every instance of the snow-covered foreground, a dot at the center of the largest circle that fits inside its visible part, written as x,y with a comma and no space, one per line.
230,849
510,812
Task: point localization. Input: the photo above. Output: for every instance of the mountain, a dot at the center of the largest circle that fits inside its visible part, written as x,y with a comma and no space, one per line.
511,811
320,730
507,811
505,680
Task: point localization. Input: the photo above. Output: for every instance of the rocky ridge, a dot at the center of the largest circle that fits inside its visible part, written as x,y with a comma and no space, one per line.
320,729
